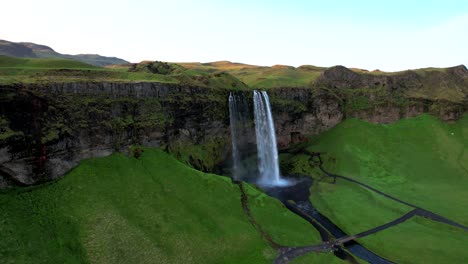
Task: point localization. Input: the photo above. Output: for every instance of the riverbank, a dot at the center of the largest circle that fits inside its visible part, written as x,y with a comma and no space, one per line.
419,160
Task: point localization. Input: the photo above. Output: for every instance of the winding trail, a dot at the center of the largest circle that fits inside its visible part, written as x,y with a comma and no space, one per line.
299,193
245,207
460,156
292,253
286,255
334,239
419,211
283,250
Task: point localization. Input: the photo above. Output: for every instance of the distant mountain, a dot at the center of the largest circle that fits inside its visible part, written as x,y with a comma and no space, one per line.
32,50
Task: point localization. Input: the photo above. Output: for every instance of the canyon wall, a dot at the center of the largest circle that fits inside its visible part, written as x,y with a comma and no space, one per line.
46,129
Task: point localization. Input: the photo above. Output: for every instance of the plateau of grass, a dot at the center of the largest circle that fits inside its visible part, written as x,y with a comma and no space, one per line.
420,160
259,77
272,77
42,70
23,63
153,209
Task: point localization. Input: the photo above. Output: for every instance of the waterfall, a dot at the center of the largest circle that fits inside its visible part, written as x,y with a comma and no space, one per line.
266,142
239,116
264,170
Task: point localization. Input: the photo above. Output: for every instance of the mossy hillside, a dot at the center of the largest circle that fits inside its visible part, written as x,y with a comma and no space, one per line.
6,132
25,63
375,209
287,105
435,90
266,77
293,163
191,77
205,156
368,98
41,70
258,77
116,117
45,76
141,210
419,160
435,84
186,121
403,243
156,67
439,84
120,118
420,240
395,158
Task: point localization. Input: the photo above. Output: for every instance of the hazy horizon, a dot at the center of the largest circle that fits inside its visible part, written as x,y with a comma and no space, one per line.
389,35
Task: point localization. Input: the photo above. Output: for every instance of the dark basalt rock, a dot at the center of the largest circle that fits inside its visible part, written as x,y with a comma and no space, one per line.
52,127
340,77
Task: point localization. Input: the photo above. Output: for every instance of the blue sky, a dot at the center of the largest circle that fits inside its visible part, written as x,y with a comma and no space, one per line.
387,35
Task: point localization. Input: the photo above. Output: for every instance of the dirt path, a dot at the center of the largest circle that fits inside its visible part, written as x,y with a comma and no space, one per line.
290,253
419,211
245,207
287,254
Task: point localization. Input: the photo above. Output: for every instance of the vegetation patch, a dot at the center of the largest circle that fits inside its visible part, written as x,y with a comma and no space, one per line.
6,132
204,156
289,106
394,159
151,209
42,70
259,77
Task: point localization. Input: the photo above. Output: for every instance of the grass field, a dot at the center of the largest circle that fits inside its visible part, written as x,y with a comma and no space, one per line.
259,77
23,63
154,209
42,70
436,84
419,160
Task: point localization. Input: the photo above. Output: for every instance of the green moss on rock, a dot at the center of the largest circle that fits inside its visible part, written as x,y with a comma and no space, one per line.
6,132
204,156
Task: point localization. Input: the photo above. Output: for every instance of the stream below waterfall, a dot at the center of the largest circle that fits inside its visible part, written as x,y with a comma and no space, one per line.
302,206
268,175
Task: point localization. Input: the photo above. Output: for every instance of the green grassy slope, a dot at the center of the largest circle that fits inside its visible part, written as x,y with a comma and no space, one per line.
420,160
10,62
277,76
149,210
259,77
42,70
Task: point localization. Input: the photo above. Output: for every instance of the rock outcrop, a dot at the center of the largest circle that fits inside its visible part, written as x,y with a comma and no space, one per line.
388,97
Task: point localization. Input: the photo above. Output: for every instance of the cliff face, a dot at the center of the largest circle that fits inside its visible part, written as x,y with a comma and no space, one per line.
45,130
385,98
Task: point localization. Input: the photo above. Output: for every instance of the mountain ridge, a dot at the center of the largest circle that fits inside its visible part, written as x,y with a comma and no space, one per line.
33,50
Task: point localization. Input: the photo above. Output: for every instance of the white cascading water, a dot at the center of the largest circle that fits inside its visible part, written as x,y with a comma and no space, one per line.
236,119
267,150
241,134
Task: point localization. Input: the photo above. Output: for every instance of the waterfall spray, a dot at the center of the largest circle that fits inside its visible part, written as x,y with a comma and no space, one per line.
239,117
